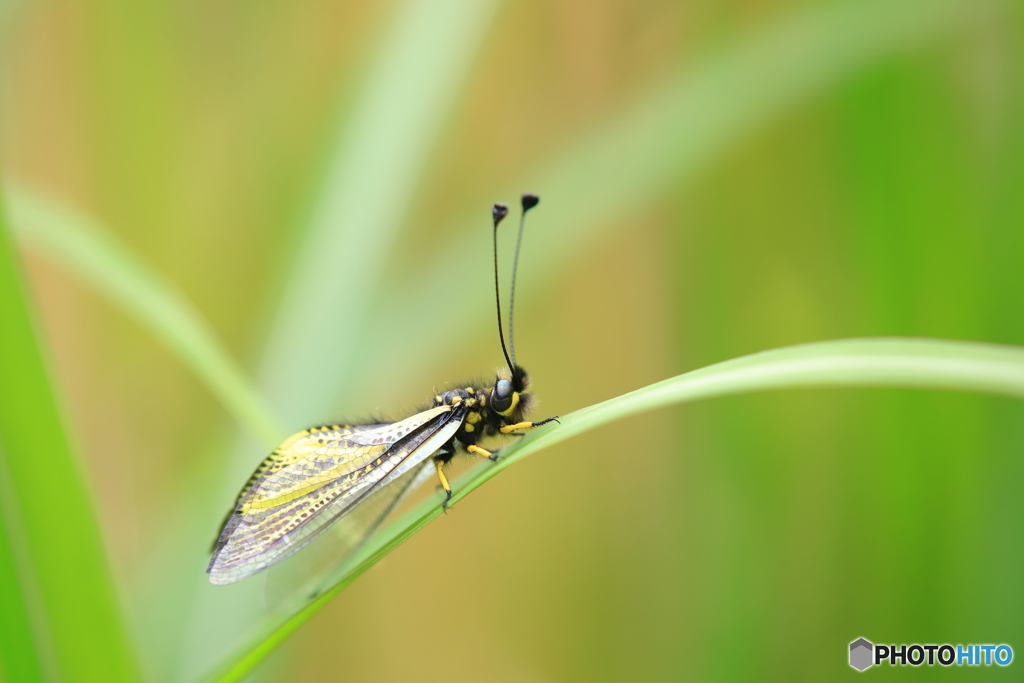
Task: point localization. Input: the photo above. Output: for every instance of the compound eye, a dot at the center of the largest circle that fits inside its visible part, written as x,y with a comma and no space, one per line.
502,398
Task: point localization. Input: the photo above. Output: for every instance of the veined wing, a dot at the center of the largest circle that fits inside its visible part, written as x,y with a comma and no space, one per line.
326,559
314,478
283,456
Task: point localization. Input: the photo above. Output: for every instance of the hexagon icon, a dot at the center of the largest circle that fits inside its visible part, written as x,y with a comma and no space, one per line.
861,652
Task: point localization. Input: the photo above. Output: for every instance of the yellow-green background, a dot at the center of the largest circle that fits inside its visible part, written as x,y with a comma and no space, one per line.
734,176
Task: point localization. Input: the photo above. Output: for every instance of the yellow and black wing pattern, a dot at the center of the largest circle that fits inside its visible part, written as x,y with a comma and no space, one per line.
317,477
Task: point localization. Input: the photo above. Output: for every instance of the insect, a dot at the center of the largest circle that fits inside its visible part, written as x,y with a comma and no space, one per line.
353,475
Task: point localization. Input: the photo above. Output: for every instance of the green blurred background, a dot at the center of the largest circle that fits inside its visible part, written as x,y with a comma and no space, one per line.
717,178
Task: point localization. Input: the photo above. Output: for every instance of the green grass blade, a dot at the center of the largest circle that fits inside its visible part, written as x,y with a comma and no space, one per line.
661,142
378,162
80,244
79,623
378,158
20,659
907,363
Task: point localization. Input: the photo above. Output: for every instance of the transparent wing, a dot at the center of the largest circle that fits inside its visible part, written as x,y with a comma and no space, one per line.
315,478
323,562
284,456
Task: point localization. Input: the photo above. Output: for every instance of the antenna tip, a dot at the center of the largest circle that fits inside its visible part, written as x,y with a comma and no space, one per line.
498,211
530,200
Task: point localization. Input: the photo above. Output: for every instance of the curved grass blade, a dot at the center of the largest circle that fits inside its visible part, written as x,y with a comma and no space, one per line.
882,362
322,563
664,140
80,244
62,565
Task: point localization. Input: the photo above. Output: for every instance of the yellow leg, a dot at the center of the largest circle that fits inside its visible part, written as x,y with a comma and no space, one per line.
526,425
444,482
482,452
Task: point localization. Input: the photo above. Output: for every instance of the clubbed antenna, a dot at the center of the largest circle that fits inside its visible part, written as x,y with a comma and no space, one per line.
498,212
529,201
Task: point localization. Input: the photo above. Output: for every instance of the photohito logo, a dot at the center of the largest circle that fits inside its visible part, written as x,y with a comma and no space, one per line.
864,654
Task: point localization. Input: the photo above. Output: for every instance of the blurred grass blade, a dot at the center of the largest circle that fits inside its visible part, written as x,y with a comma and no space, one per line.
81,245
663,141
378,162
378,158
20,658
79,622
895,362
